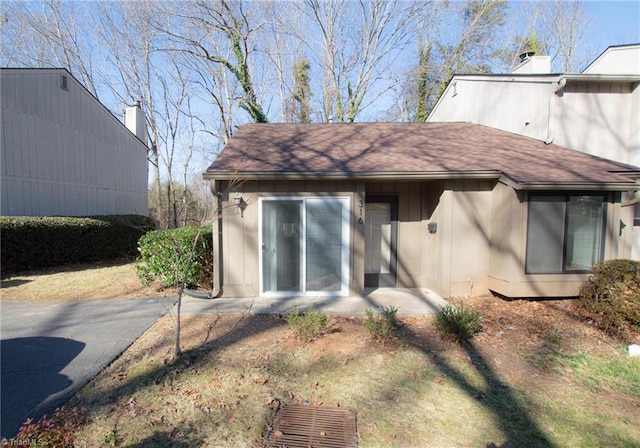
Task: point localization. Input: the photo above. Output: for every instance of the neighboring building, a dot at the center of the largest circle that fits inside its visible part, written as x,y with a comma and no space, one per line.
64,153
596,111
458,208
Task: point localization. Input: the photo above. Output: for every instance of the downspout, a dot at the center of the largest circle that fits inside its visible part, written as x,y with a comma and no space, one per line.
633,200
217,247
559,91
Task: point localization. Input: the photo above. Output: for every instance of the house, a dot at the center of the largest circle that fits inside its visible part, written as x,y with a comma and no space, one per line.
596,111
64,153
458,208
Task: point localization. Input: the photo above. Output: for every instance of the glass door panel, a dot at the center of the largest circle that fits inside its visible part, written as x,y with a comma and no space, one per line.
380,241
584,235
305,246
281,254
324,245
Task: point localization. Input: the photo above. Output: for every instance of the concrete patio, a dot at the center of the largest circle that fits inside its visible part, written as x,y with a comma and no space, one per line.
410,302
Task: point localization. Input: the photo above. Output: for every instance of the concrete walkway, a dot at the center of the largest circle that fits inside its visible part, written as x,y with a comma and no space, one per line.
410,302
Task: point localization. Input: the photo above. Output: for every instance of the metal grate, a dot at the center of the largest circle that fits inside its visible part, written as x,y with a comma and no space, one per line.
304,426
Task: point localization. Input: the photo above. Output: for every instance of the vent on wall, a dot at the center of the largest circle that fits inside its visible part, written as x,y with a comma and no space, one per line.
64,82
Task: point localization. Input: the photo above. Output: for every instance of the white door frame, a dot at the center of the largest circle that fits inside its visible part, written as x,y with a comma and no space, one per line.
345,253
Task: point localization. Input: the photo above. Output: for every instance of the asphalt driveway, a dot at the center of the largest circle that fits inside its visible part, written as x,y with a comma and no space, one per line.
50,350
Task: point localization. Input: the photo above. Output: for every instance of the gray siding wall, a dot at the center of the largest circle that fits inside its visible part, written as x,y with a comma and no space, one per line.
64,153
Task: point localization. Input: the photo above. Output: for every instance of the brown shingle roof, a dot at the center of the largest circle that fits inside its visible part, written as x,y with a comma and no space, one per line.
379,149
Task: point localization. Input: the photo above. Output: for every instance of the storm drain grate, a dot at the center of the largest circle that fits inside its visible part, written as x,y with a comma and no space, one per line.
305,426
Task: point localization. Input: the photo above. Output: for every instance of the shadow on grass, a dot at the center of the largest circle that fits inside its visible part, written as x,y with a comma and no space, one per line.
246,326
175,438
497,398
13,283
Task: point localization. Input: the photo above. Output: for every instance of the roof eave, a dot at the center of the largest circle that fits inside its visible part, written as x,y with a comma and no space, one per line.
384,175
571,186
601,78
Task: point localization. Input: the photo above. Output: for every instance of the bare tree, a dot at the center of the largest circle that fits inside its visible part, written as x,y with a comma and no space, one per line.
282,48
441,53
360,43
563,27
47,34
201,28
140,70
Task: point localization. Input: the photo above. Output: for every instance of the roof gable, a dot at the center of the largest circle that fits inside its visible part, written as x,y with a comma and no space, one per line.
426,150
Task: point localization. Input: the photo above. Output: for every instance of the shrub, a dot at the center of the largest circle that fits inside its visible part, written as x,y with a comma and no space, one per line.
458,323
612,296
384,327
164,254
56,431
37,242
308,325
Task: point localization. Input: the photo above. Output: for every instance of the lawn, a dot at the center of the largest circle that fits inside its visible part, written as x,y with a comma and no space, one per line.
108,280
535,376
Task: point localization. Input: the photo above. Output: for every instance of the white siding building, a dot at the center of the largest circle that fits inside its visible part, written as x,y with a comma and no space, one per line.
596,111
64,153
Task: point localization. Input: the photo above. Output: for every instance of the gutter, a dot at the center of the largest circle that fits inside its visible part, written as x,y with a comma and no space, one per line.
568,186
382,175
635,199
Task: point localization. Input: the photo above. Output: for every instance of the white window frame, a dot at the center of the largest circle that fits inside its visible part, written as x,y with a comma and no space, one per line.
346,247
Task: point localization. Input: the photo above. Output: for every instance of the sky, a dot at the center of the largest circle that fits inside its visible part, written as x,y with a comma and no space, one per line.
617,22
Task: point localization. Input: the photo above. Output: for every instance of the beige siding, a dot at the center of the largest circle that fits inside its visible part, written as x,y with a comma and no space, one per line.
617,61
410,235
595,118
509,245
518,107
454,260
479,245
241,251
431,272
63,153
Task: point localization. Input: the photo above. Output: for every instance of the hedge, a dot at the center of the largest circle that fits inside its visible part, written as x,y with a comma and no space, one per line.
164,254
38,242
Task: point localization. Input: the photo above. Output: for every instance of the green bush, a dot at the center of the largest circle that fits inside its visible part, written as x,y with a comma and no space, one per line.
164,255
38,242
384,327
457,323
612,296
308,325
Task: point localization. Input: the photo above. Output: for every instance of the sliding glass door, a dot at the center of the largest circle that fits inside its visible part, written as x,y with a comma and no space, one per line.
305,246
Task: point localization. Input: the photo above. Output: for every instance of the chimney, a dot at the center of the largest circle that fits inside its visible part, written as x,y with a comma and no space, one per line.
134,121
531,64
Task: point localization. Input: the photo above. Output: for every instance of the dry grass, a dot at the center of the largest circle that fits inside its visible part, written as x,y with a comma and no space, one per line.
536,375
420,392
115,280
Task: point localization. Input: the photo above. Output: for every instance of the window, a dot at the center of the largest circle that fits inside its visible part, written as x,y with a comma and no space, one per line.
305,246
564,232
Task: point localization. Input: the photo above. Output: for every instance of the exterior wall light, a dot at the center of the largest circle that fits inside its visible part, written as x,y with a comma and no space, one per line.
432,227
240,205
